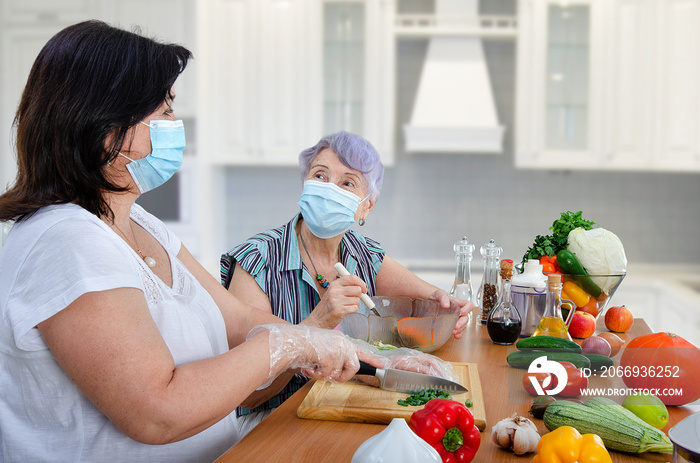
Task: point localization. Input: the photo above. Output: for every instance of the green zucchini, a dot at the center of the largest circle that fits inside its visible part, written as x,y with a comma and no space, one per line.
548,344
569,264
599,362
522,359
618,431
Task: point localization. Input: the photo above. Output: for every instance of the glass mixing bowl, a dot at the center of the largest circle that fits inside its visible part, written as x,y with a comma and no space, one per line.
607,283
404,322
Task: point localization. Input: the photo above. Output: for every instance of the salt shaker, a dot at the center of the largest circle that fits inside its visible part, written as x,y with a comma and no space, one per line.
462,287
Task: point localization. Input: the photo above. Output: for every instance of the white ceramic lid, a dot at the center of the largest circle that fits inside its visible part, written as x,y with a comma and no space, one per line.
531,277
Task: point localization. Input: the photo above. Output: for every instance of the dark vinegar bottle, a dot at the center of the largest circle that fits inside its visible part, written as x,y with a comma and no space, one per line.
504,323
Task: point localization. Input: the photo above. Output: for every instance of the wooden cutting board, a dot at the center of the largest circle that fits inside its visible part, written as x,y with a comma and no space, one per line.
359,403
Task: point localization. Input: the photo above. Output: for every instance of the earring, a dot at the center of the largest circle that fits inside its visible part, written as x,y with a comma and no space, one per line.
361,222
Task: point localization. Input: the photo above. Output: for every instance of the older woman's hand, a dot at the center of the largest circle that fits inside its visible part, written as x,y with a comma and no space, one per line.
465,308
342,297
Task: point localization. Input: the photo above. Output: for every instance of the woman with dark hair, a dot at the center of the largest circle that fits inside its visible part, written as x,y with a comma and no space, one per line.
288,271
113,337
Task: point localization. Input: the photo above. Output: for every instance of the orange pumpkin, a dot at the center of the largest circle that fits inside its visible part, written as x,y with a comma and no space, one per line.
663,361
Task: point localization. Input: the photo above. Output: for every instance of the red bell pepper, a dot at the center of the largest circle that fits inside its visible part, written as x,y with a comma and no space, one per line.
549,264
447,426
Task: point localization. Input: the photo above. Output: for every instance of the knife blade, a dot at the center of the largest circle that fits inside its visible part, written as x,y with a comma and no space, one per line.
409,382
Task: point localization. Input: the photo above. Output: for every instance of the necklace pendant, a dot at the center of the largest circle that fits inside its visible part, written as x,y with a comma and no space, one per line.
150,261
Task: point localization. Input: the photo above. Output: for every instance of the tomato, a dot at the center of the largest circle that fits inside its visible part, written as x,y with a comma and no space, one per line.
541,378
663,361
575,382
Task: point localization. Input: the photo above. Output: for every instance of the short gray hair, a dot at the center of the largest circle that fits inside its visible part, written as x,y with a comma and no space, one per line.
354,152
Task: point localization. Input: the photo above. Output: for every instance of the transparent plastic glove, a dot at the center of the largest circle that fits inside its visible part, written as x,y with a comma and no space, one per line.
407,359
319,353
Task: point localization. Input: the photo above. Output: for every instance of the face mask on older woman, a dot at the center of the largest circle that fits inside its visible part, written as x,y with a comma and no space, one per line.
328,210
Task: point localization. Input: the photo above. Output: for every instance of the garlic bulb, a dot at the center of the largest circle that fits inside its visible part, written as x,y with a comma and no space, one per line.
516,433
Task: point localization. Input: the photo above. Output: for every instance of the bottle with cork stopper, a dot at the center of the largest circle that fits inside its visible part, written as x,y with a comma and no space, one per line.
552,322
504,323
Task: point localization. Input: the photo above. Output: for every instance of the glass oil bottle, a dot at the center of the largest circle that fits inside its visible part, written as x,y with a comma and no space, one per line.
552,322
504,322
462,287
487,297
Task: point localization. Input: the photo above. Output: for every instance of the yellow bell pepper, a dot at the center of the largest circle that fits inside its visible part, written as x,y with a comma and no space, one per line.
576,294
566,445
566,305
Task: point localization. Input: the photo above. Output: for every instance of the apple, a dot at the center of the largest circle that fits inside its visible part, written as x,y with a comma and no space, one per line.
619,319
582,325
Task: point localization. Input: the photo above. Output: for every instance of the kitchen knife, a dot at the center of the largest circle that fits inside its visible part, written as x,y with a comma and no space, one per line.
342,271
408,381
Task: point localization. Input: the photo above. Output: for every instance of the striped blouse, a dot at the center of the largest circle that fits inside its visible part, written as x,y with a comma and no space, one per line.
274,260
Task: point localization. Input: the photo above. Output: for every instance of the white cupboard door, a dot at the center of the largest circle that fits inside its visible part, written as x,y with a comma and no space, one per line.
20,47
227,118
259,104
629,69
288,74
678,85
559,94
165,20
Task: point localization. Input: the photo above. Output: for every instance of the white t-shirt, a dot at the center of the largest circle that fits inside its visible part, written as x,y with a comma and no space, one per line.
48,261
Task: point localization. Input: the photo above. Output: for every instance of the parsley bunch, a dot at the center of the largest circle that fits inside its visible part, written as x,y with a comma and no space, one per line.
551,244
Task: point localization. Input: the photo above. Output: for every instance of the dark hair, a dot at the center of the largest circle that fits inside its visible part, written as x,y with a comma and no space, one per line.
89,81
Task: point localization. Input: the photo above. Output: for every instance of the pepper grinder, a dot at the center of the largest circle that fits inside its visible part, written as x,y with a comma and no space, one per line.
462,287
487,297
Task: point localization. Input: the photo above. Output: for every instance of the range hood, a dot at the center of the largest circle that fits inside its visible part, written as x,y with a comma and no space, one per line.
454,109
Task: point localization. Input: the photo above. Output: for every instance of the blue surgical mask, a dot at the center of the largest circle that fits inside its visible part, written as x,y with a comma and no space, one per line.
167,143
328,210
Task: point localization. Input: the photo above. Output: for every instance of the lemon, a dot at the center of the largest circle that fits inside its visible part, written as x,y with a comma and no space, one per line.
648,407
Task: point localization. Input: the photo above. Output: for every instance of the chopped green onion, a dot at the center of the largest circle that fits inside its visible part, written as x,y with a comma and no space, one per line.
423,397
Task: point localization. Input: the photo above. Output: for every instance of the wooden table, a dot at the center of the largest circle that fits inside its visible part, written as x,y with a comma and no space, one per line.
284,437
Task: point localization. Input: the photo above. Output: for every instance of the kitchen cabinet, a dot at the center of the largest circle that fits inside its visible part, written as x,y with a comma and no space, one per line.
282,73
608,85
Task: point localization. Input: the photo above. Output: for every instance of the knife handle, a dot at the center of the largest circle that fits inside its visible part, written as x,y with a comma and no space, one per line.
366,369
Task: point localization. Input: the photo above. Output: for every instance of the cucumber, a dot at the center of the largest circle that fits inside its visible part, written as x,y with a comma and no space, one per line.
522,359
618,431
548,344
599,362
569,264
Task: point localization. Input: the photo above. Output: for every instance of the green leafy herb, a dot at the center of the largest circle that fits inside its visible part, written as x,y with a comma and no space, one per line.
551,244
422,397
468,403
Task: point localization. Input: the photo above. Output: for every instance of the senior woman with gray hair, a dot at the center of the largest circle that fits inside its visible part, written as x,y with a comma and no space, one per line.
288,271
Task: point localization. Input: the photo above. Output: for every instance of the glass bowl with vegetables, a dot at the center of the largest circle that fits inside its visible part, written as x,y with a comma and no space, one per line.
591,260
403,322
